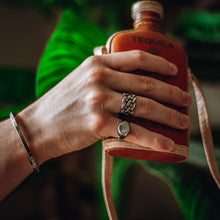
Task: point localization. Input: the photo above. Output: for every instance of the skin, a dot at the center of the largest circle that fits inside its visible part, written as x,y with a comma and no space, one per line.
84,107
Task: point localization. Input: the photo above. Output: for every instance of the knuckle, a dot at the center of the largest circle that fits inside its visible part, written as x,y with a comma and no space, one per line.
146,106
140,55
94,60
136,135
174,117
97,122
159,142
161,61
156,141
173,93
97,98
148,84
97,75
160,65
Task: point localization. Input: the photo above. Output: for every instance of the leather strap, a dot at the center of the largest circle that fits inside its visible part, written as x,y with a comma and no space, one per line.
107,169
107,164
205,128
204,122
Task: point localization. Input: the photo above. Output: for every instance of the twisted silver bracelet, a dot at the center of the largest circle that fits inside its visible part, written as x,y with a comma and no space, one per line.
24,144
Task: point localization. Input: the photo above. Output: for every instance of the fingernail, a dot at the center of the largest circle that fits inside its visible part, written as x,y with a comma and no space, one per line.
185,121
186,99
173,68
169,145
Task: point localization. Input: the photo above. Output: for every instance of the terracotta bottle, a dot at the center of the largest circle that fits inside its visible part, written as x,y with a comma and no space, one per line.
147,36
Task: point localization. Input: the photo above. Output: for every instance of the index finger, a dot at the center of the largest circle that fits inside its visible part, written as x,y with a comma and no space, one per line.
137,59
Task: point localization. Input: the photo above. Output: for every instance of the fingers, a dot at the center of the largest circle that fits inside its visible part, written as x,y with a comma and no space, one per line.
137,59
138,135
154,111
151,110
109,73
144,137
112,70
148,87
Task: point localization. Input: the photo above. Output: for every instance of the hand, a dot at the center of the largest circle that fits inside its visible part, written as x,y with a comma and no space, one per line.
84,106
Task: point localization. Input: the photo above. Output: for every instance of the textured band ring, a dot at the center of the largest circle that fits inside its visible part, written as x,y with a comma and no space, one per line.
128,104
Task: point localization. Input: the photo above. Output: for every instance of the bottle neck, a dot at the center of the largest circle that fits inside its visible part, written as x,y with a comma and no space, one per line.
147,20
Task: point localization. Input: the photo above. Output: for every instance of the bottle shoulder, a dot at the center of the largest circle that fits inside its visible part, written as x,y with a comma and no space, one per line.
141,39
151,42
117,37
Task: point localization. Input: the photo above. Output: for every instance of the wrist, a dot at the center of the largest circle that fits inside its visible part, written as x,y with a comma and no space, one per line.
14,165
25,146
34,131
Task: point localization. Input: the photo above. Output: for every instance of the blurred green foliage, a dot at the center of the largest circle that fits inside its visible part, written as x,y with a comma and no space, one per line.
200,31
202,26
72,42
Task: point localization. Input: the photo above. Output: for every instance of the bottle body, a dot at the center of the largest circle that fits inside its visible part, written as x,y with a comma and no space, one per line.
156,43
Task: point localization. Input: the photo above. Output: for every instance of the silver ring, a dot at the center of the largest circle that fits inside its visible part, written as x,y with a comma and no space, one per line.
128,104
123,129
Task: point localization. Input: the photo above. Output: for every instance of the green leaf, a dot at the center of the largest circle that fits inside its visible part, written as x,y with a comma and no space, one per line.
201,35
72,42
201,26
192,184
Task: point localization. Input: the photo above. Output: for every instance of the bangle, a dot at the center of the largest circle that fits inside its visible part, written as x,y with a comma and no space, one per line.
24,144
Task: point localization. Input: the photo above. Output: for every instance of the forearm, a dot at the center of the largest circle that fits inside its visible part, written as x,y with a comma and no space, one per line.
14,165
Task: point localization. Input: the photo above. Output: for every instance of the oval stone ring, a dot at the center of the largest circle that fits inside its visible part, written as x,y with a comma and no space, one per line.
123,129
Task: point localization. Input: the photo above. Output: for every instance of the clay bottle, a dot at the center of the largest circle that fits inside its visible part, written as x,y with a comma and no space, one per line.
147,36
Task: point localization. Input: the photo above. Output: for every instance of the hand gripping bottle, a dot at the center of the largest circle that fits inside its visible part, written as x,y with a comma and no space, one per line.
147,36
